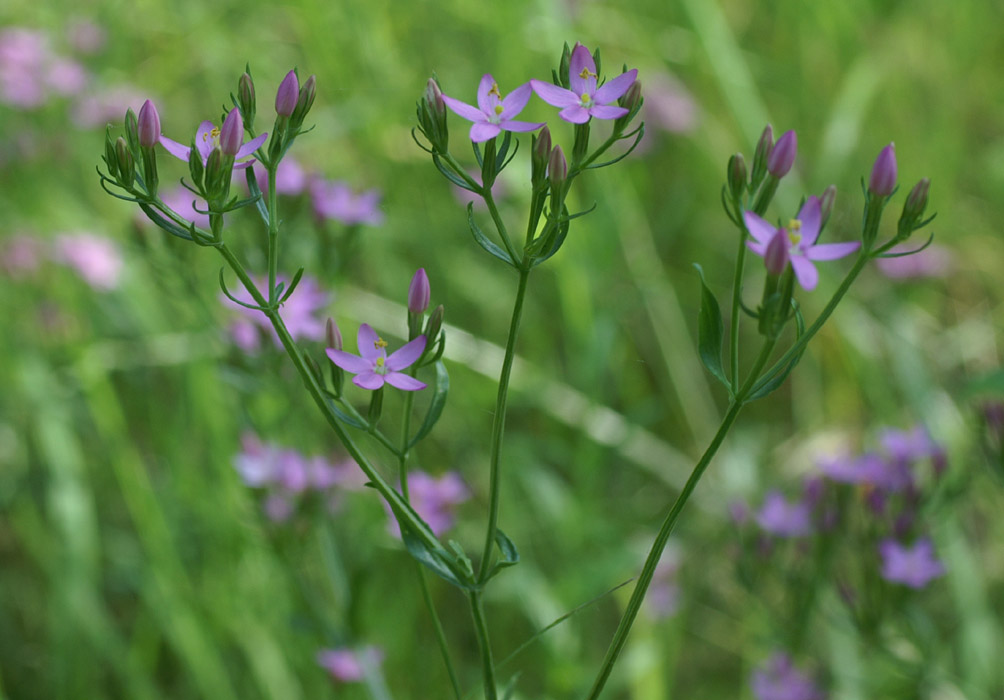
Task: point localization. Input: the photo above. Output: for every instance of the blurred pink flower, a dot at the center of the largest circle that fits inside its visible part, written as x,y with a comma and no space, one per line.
933,261
85,36
20,255
181,201
433,499
349,665
299,312
782,518
24,55
97,260
914,566
104,105
65,76
290,178
335,200
668,104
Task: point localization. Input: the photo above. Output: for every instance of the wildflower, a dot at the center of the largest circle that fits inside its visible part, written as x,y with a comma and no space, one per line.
290,177
287,95
494,113
912,566
779,517
585,99
802,232
883,177
232,134
208,137
335,200
433,499
148,124
778,679
932,261
909,445
668,104
300,312
24,57
98,107
373,367
349,665
419,292
97,260
782,156
869,468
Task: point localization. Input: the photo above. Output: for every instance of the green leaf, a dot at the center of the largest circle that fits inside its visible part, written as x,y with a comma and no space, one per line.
346,418
256,192
168,226
507,550
438,560
441,389
484,241
710,332
764,387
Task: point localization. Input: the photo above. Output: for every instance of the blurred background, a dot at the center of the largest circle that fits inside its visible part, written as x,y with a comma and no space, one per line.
140,556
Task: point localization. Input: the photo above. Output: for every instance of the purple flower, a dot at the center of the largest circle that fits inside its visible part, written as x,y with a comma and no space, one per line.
419,292
882,180
779,517
494,113
782,156
65,76
85,36
668,104
802,232
349,665
778,679
184,203
290,177
24,56
585,99
870,468
208,136
148,124
909,445
912,566
255,462
300,312
287,95
97,260
933,261
373,367
433,499
335,200
108,105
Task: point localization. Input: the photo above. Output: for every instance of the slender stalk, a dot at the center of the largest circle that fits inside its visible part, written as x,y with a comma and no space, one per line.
737,292
481,629
273,230
498,424
655,553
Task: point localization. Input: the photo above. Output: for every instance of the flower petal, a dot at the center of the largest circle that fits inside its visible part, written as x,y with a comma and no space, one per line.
482,131
758,248
758,228
520,126
810,216
175,148
369,380
515,101
613,89
251,146
204,139
553,94
581,60
245,164
607,111
484,87
403,381
406,356
368,340
576,114
464,110
805,272
831,251
348,361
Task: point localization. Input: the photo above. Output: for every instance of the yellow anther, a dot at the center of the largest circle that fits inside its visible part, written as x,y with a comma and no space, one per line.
214,134
499,109
795,225
586,74
794,237
495,91
379,343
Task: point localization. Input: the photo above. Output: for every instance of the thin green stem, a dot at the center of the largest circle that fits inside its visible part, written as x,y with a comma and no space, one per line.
273,230
498,424
481,629
499,224
737,292
655,553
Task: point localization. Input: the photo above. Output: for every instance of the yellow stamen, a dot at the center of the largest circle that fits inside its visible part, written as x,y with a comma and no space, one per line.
495,91
379,343
214,134
586,74
379,362
794,226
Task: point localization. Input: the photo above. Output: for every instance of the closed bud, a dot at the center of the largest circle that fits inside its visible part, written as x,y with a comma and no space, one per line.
246,97
131,131
826,201
916,201
737,175
782,156
776,258
287,95
419,292
631,100
563,66
883,178
541,154
126,163
333,334
111,160
195,165
305,101
434,98
557,169
232,133
435,324
148,125
763,149
214,172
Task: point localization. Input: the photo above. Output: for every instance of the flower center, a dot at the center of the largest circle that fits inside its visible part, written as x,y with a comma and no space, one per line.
379,343
586,74
794,228
379,368
498,110
585,99
212,136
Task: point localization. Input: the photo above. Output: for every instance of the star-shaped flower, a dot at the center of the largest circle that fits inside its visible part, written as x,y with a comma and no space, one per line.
207,137
372,367
494,113
802,233
585,100
912,566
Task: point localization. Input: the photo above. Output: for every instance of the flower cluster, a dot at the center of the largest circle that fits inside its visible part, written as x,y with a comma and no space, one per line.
31,72
97,260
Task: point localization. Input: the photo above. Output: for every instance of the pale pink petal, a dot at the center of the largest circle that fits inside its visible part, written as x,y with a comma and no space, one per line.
349,362
204,139
464,110
581,60
576,114
831,251
613,89
758,228
175,148
515,101
607,111
810,216
758,248
805,272
404,382
251,146
368,380
521,126
554,95
406,355
245,164
482,131
368,340
484,87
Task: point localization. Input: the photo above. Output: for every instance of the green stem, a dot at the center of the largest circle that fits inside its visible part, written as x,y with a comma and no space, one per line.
273,231
655,553
481,629
498,424
499,224
737,292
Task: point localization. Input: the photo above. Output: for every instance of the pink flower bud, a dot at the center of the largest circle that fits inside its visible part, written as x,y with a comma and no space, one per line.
232,133
776,255
557,168
419,292
149,125
782,157
333,334
287,95
883,178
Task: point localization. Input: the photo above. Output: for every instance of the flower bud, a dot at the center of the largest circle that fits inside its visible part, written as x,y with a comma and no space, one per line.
557,169
214,172
246,97
287,95
304,101
148,125
111,160
435,324
782,156
434,97
563,66
737,175
763,148
826,201
775,257
232,133
333,334
126,163
631,100
541,154
131,131
916,201
883,178
195,165
419,292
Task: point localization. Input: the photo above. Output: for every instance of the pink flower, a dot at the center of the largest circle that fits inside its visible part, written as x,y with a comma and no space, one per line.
932,261
96,259
184,204
784,519
335,200
668,104
433,499
373,367
24,58
494,113
300,313
802,234
349,665
290,177
96,108
914,566
778,679
585,99
207,137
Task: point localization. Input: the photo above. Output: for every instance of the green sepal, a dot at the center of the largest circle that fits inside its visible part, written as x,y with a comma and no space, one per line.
509,555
